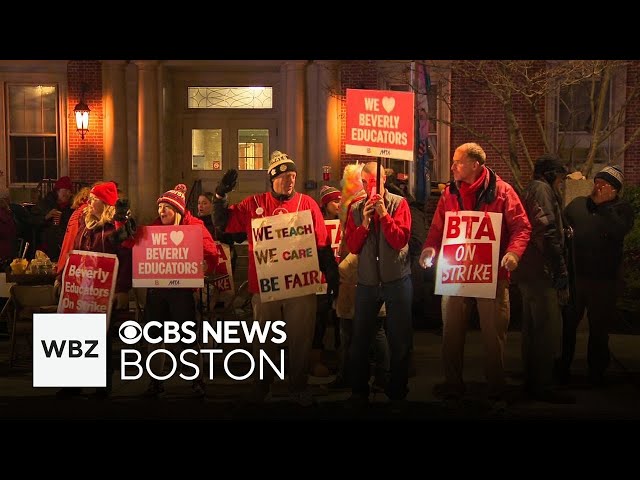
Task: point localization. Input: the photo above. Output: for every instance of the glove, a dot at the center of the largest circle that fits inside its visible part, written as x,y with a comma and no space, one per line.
57,286
510,261
426,257
125,231
122,211
228,182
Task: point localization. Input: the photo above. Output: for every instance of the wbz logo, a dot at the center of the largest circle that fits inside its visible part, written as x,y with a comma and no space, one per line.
69,349
74,348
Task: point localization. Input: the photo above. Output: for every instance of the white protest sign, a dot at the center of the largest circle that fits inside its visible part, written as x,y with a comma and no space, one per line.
335,232
468,260
285,255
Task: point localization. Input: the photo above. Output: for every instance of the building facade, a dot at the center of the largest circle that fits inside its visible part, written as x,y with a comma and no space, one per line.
153,124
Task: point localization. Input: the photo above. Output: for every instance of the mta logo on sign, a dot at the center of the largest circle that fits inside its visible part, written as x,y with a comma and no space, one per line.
69,349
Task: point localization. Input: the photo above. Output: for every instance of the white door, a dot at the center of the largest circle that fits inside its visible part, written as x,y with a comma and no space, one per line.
210,147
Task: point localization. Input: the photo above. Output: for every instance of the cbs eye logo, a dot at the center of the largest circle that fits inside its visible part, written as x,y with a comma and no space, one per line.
130,332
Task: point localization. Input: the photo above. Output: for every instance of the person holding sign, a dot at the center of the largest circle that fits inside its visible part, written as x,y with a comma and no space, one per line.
295,306
329,206
378,230
104,227
476,188
177,304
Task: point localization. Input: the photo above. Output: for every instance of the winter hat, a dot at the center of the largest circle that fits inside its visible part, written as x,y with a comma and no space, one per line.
548,166
612,175
63,182
107,192
280,163
329,194
176,198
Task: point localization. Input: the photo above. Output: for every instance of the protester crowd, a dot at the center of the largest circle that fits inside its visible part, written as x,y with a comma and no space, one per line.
372,270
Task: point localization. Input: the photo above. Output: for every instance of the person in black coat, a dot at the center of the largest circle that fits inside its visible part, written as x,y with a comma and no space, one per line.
599,223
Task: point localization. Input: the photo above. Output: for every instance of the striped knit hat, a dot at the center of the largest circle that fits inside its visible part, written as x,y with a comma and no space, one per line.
329,194
612,175
280,163
176,198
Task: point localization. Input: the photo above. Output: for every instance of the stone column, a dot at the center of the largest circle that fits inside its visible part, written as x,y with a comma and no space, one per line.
116,162
323,115
148,140
293,139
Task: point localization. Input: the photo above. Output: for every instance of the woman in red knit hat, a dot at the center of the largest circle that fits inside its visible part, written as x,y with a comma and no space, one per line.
103,227
177,304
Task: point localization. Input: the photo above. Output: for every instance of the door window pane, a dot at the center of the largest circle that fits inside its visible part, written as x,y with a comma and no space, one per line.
253,146
206,149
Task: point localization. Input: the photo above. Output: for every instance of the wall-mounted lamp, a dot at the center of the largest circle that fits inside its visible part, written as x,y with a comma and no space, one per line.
82,112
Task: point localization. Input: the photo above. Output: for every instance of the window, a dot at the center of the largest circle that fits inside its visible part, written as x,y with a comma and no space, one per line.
33,132
206,149
574,108
253,145
230,97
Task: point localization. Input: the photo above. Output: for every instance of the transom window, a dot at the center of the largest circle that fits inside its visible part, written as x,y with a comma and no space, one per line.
230,97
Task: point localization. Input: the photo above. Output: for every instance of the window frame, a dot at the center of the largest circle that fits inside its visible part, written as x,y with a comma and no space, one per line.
617,98
45,72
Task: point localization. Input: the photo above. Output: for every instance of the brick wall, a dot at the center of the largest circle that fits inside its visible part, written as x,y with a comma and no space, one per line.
360,74
86,156
479,109
632,155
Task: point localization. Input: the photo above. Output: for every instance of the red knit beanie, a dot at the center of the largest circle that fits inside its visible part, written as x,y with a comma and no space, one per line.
107,192
63,182
329,194
176,198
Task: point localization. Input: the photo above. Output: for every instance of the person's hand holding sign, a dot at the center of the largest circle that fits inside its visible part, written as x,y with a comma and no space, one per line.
367,213
510,261
378,204
426,257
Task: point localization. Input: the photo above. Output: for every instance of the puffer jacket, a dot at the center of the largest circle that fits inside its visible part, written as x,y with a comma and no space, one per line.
495,195
545,255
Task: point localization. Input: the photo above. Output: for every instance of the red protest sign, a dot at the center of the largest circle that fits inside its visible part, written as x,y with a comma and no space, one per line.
468,260
168,256
88,283
380,123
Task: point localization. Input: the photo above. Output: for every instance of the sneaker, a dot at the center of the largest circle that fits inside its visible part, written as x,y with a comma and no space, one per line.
155,390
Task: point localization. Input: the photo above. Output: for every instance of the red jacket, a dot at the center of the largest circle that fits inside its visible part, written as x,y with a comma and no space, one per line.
69,237
496,195
266,205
